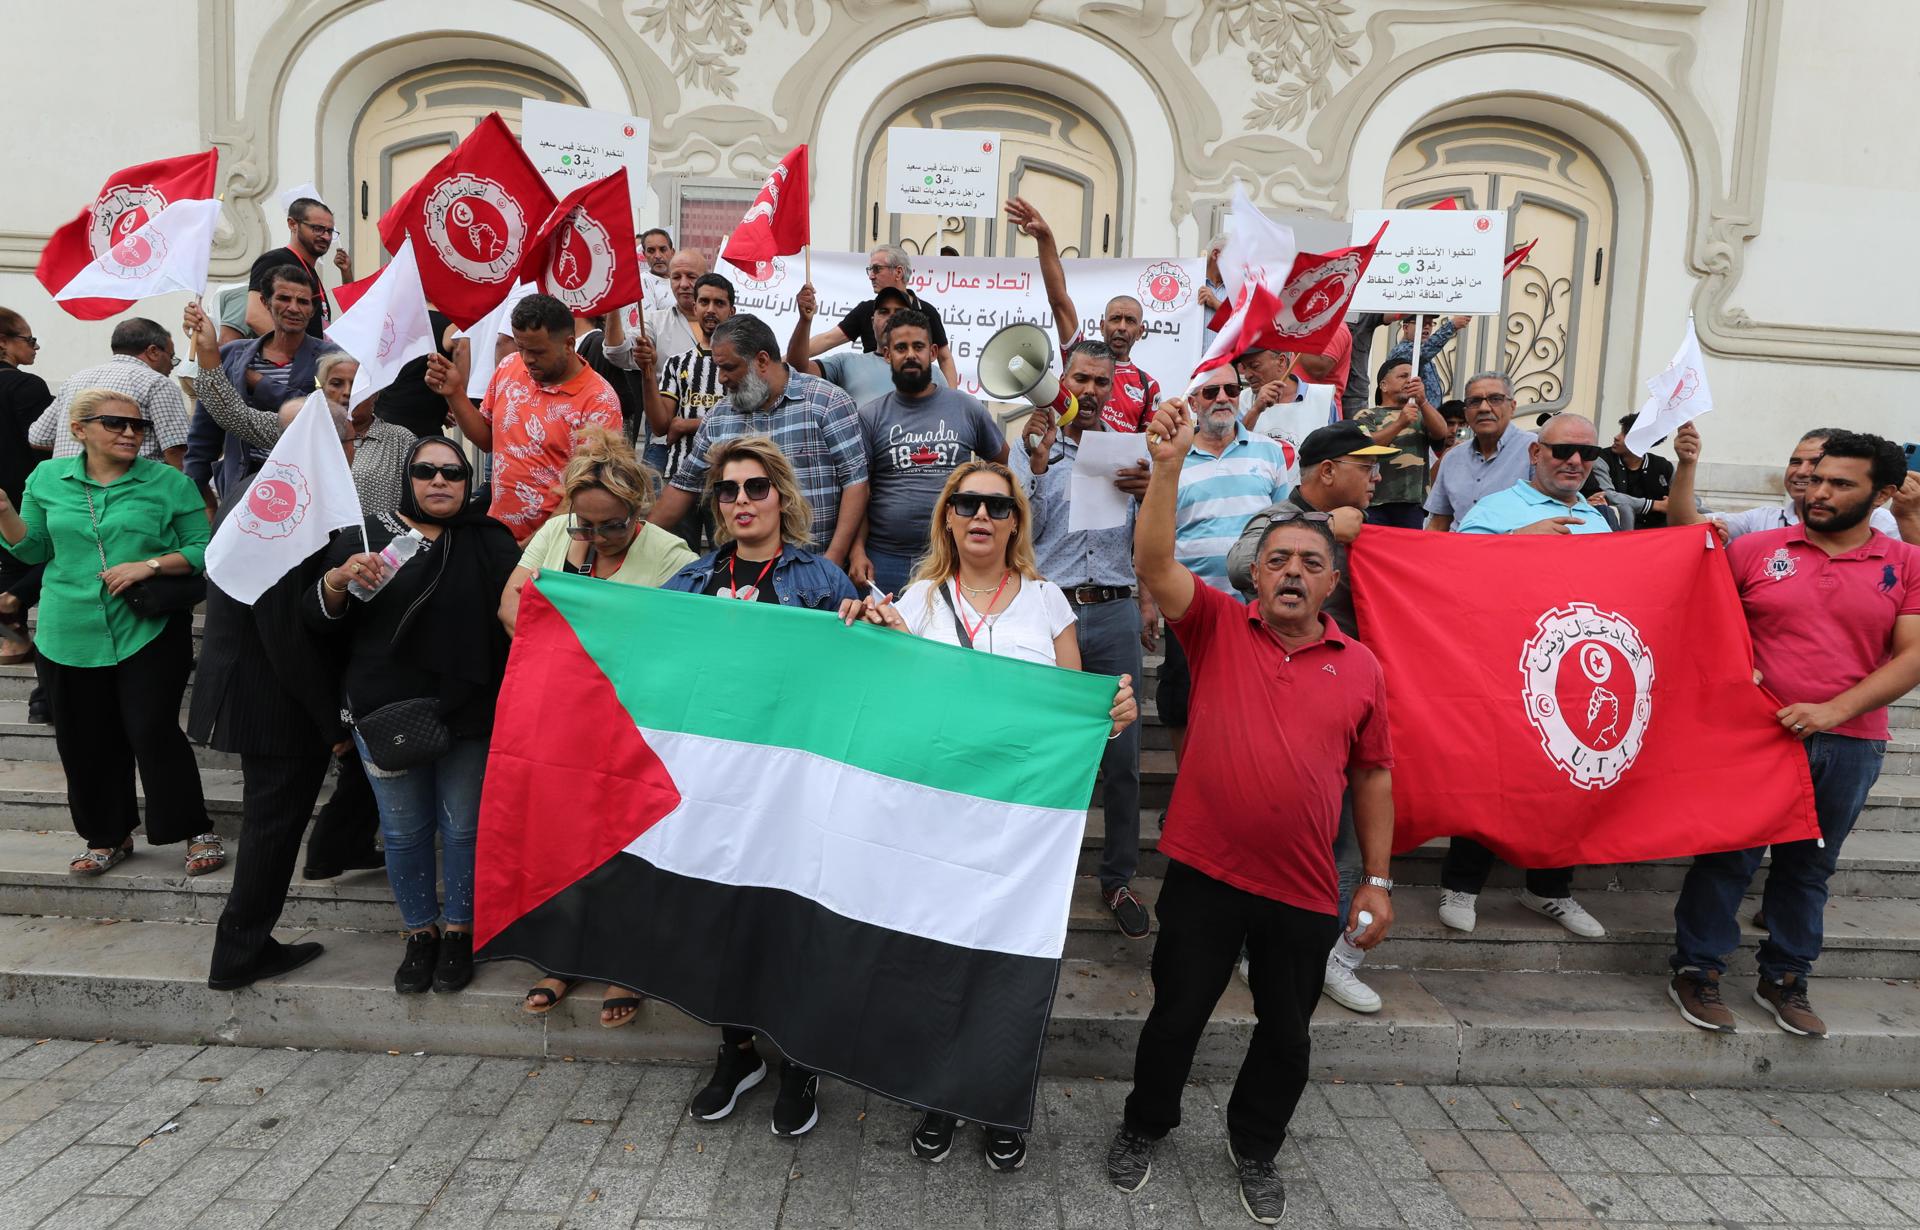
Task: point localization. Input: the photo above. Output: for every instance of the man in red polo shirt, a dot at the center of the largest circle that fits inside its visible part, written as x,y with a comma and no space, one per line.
1833,606
540,399
1286,714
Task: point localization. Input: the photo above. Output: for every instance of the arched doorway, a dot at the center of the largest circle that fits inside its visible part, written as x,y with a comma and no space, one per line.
415,119
1052,153
1550,339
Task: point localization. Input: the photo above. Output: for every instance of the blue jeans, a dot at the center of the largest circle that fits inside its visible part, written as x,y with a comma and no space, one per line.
890,570
442,798
1347,866
1109,635
1706,921
656,456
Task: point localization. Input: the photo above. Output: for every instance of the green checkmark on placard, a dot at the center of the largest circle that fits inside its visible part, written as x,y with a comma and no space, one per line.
1405,268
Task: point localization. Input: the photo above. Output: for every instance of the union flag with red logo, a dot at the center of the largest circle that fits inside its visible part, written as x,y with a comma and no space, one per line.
1575,700
1313,300
129,199
581,256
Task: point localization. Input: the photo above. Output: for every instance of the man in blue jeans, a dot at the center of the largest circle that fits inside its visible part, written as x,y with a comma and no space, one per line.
1833,606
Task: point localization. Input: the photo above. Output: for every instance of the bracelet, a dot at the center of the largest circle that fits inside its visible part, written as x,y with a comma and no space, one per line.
324,584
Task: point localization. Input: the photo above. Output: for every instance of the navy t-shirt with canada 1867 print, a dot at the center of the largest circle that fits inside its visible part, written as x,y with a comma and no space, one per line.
913,444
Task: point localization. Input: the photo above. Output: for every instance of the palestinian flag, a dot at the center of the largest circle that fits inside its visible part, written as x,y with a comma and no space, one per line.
859,843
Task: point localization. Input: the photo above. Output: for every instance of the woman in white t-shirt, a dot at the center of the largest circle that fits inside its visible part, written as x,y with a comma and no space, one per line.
977,586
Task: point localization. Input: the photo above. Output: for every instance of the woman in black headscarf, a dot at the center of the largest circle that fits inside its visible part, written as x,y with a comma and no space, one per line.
423,669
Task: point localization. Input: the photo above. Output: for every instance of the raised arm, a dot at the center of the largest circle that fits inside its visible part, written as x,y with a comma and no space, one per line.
449,379
1682,508
800,350
1065,318
1169,436
216,393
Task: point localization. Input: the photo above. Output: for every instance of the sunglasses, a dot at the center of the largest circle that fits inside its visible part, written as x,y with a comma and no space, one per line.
877,270
425,470
1493,400
1208,392
727,491
1587,452
968,503
606,529
117,423
28,338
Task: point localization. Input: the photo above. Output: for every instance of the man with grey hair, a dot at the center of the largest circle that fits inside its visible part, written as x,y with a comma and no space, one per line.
887,265
1493,460
141,368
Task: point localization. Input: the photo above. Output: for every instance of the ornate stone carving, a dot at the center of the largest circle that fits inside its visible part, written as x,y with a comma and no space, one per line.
1293,46
702,37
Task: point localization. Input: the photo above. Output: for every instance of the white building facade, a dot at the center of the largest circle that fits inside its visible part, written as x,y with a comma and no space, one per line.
1748,161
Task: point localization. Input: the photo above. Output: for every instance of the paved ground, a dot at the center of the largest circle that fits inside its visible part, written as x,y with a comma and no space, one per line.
119,1134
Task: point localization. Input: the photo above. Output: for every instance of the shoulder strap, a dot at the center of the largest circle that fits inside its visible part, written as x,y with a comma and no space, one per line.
959,625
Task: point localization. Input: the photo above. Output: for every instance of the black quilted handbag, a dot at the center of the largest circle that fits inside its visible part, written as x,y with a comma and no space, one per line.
405,734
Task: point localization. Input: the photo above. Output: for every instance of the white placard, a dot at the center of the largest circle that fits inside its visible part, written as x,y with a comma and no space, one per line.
933,171
577,145
975,296
1093,502
1440,262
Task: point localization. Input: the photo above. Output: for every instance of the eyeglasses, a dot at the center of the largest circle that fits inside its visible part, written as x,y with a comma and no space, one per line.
425,471
1209,392
319,230
1491,400
28,338
1561,452
968,503
1372,466
117,423
606,529
727,491
874,271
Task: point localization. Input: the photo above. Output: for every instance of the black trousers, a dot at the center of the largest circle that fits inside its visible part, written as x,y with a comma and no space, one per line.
107,720
1468,864
276,799
1203,925
350,818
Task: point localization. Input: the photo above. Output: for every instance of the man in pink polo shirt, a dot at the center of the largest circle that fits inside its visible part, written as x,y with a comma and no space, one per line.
1286,714
1833,606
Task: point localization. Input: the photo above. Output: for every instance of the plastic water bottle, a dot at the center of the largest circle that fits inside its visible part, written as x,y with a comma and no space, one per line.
1345,950
394,554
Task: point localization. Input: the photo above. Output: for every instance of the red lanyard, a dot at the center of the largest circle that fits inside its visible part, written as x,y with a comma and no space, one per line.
973,630
735,585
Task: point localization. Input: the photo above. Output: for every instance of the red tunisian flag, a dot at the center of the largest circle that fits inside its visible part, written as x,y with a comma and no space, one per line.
776,224
471,220
127,201
581,256
1575,700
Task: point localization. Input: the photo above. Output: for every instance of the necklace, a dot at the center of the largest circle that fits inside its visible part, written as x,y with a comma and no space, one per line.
983,589
986,616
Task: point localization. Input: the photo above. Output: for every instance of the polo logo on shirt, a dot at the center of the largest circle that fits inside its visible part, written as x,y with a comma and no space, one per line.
1888,579
1780,565
1329,669
1587,683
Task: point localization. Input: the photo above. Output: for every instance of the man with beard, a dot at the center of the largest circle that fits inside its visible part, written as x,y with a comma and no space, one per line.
1494,458
1134,392
1900,518
914,436
1833,606
888,268
864,375
812,421
310,234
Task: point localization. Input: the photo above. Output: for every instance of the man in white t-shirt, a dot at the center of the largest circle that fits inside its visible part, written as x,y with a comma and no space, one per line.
1901,519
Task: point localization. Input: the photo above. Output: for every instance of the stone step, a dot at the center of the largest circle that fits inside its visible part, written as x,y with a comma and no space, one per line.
24,740
1892,806
80,979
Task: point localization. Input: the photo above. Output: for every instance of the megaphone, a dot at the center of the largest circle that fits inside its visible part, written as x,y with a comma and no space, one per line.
1016,364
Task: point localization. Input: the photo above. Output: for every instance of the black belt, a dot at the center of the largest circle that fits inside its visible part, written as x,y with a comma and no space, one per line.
1087,595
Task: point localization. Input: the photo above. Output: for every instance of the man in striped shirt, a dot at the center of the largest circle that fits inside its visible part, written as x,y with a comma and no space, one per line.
1230,475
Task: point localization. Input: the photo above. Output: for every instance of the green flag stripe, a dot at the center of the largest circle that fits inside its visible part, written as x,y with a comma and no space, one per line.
950,718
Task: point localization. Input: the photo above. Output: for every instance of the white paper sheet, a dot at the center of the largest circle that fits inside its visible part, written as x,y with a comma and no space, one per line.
1094,503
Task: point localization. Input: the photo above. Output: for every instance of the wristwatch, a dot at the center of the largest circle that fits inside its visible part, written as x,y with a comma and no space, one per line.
154,564
1381,882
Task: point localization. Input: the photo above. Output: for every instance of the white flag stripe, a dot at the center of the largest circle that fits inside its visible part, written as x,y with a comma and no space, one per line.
293,504
387,327
1677,396
169,253
1258,249
486,334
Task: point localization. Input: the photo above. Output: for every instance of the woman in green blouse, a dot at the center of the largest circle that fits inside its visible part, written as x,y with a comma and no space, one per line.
103,522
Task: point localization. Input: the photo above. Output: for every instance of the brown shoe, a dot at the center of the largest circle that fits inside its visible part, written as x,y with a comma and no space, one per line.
1697,994
1787,1001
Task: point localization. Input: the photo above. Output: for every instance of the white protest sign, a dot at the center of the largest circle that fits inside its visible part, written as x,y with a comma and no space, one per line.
931,171
977,296
1437,262
572,146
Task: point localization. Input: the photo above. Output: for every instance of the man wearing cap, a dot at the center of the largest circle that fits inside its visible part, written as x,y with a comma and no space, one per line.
1494,459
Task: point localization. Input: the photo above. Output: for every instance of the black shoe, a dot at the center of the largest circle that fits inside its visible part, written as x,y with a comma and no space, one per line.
453,969
1006,1150
40,715
1129,1160
797,1107
281,959
739,1069
1262,1194
1129,913
318,869
933,1139
416,969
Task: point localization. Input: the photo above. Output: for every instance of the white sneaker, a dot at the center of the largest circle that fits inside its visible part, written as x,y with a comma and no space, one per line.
1344,987
1456,909
1565,911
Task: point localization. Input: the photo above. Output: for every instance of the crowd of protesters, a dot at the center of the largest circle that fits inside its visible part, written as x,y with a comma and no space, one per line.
845,472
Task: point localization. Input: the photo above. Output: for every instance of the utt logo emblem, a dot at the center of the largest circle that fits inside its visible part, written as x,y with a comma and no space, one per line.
1780,565
767,274
135,256
1165,287
1315,296
581,272
277,503
475,227
120,211
1587,682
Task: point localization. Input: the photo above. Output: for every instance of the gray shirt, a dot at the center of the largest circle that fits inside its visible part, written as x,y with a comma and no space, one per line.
912,445
864,376
1464,475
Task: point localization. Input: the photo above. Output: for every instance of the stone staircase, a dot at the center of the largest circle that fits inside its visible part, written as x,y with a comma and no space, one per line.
1519,1001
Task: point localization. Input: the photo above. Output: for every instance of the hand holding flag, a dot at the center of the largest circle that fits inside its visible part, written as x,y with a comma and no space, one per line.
1677,396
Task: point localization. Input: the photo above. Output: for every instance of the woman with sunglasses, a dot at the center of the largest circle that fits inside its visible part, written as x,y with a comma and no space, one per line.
978,587
601,532
763,525
103,522
428,632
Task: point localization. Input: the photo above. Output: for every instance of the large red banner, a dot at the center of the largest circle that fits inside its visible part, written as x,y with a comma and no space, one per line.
1571,700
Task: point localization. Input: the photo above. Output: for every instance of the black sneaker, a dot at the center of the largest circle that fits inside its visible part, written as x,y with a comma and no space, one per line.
416,968
1006,1150
797,1108
454,968
1129,1160
933,1139
738,1070
1129,913
1262,1194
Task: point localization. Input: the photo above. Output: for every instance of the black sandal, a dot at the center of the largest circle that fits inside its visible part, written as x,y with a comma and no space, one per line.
629,1004
552,997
